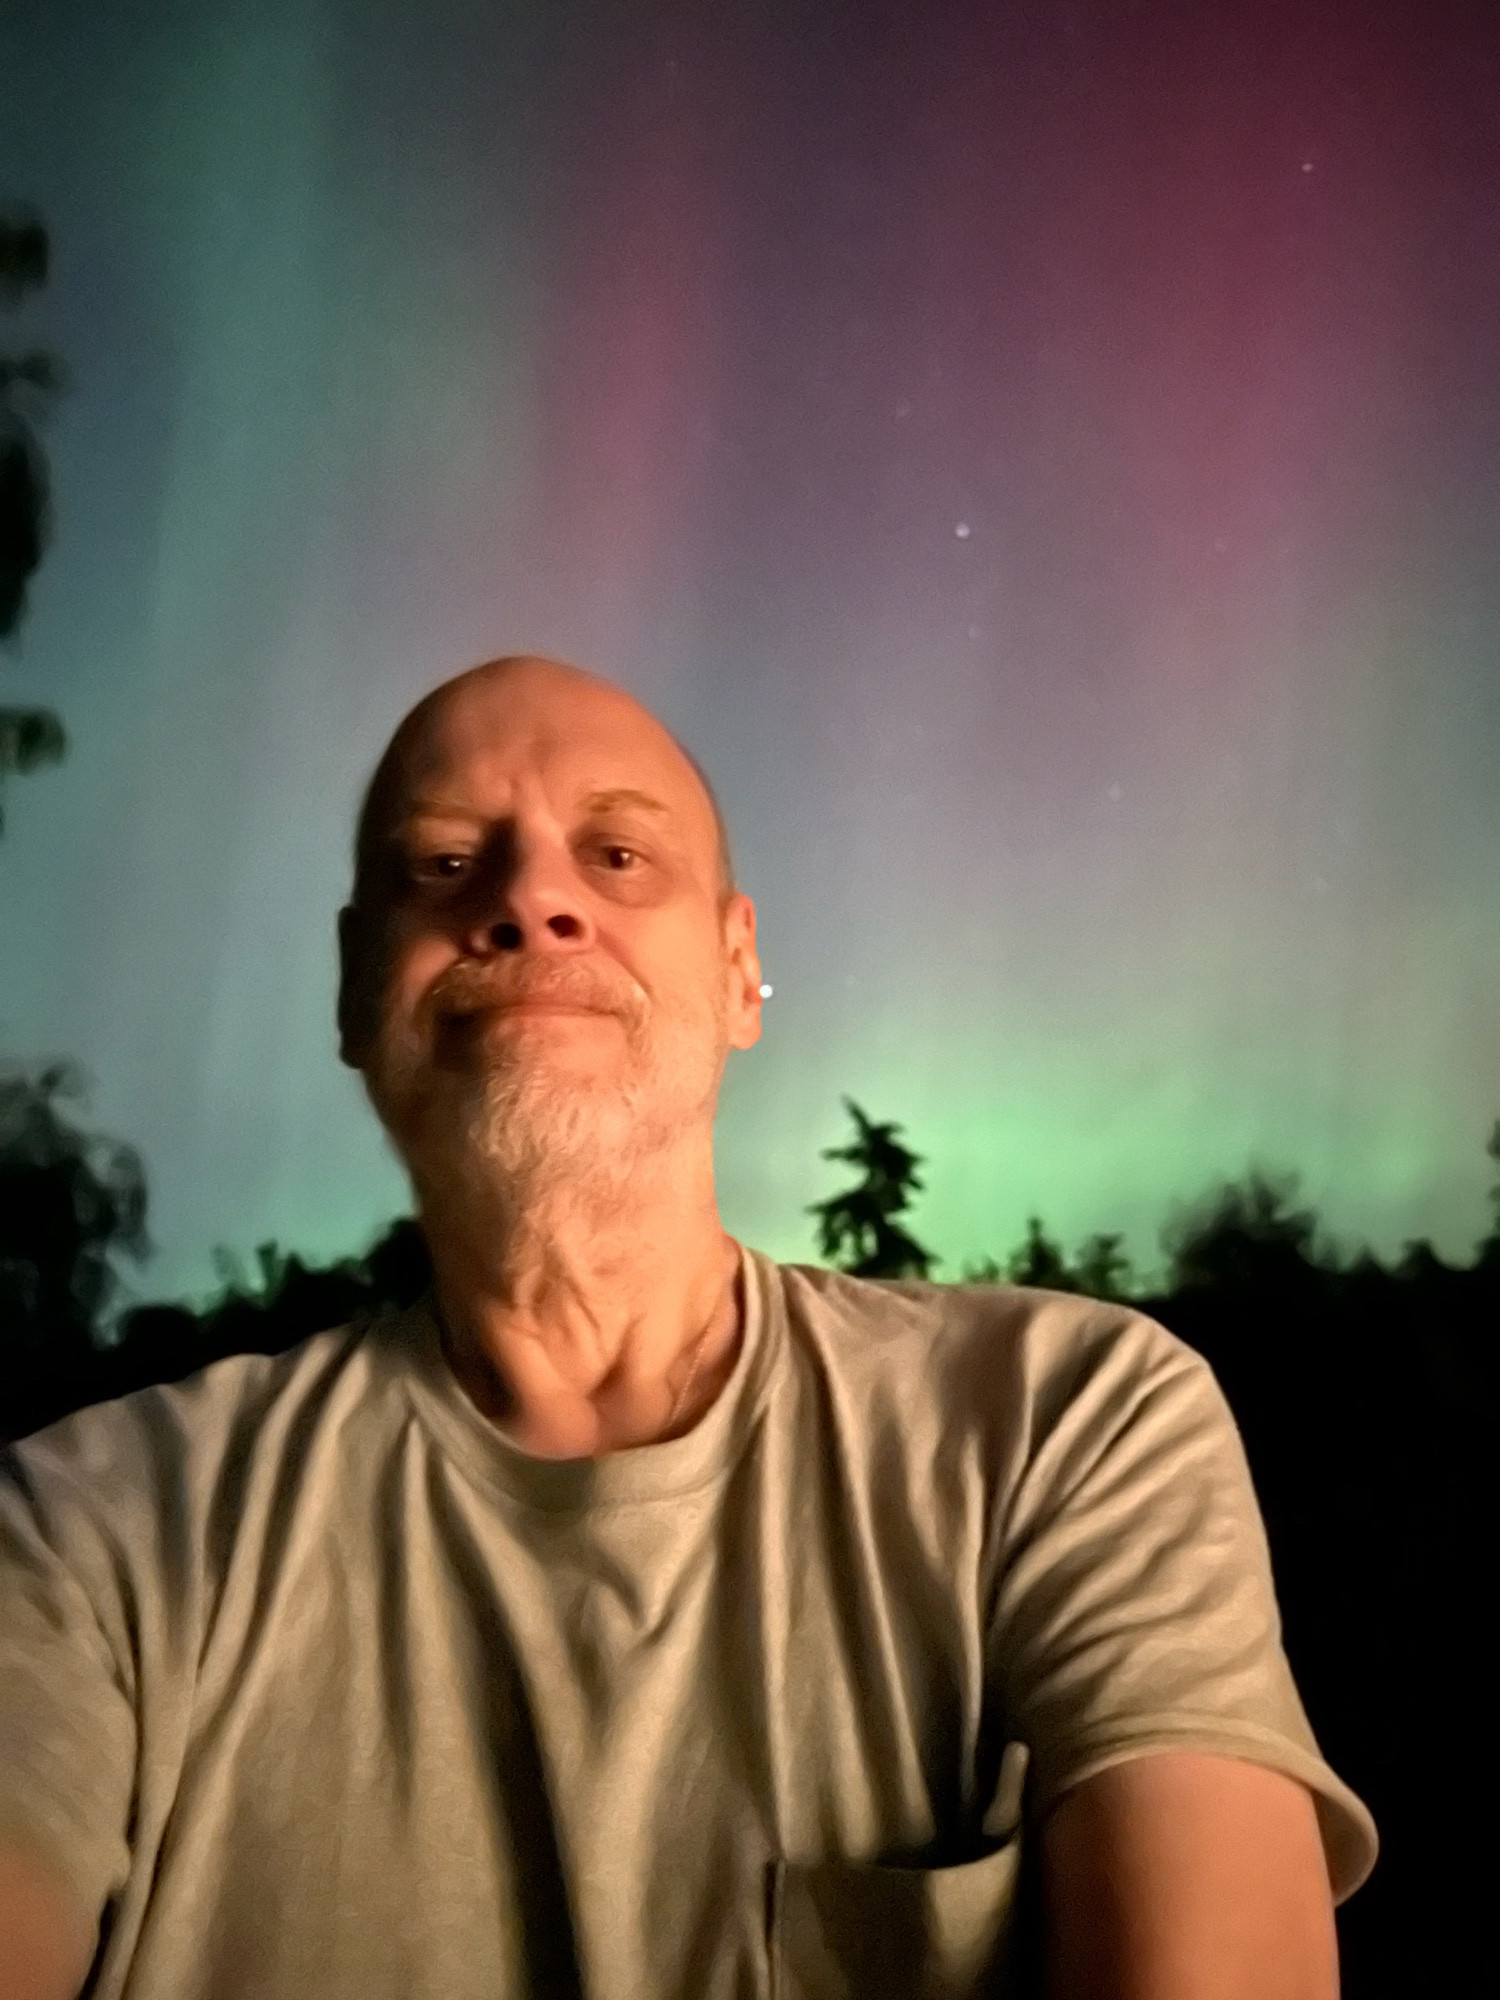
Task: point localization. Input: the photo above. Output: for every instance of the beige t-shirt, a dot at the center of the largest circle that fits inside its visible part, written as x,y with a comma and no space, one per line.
313,1685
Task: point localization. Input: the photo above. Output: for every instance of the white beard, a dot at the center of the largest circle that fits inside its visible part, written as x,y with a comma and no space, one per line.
524,1129
518,1132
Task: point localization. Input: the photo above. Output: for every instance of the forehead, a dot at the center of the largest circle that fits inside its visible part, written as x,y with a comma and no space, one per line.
477,742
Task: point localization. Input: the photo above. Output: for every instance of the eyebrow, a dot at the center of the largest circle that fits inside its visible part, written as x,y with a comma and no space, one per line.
625,795
619,795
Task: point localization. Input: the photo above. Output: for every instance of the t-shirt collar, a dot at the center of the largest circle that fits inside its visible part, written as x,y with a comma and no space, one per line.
641,1473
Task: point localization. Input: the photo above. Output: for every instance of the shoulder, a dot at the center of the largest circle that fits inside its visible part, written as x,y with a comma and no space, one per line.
122,1466
1010,1354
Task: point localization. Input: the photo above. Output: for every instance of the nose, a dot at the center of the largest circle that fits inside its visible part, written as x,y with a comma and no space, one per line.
527,900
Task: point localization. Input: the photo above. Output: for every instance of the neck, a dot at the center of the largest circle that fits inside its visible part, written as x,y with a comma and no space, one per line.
583,1319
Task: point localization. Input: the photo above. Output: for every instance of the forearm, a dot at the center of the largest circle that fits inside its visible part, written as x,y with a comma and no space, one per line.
1187,1877
45,1946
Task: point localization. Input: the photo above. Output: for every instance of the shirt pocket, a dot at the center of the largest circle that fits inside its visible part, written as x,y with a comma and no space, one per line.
844,1930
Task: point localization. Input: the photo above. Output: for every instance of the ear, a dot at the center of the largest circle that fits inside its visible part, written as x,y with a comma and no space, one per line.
745,1002
356,986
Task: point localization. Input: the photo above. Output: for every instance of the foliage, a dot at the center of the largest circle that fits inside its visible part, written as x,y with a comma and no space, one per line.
857,1227
27,382
29,737
1101,1269
70,1201
1037,1260
1245,1233
289,1298
25,514
70,1198
24,256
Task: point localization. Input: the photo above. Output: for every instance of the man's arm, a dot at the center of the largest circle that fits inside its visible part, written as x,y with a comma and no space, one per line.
45,1948
1183,1876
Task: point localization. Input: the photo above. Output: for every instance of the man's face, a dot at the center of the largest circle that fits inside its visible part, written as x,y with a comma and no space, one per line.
539,984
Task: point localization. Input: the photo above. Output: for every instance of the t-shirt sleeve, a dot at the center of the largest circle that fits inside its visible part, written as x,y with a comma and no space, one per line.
67,1714
1134,1608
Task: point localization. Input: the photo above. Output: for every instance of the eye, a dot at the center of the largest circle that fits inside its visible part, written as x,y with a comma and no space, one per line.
439,867
617,847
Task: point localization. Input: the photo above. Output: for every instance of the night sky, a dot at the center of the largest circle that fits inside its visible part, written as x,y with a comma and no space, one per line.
1043,459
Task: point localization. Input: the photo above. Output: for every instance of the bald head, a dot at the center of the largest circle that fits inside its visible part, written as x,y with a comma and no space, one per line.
533,835
522,699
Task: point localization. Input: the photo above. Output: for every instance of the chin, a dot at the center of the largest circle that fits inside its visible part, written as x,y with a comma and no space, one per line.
549,1116
543,1116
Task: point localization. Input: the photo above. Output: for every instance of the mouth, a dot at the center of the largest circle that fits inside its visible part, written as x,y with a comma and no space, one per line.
543,1006
507,1008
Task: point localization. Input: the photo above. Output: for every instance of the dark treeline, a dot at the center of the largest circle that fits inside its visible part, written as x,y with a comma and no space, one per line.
1364,1392
72,1206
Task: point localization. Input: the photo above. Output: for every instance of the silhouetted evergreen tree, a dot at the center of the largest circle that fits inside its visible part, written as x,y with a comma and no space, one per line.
28,383
1100,1271
1246,1234
857,1229
70,1201
1039,1261
293,1299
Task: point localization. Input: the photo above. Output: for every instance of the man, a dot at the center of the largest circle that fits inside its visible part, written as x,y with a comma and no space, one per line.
637,1617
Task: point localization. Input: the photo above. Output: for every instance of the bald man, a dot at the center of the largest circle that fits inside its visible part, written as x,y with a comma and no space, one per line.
637,1618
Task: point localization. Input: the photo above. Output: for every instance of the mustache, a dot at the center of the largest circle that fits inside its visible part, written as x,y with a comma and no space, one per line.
466,989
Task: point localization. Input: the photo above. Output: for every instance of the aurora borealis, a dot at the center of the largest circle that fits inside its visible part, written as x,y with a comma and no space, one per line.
1043,459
